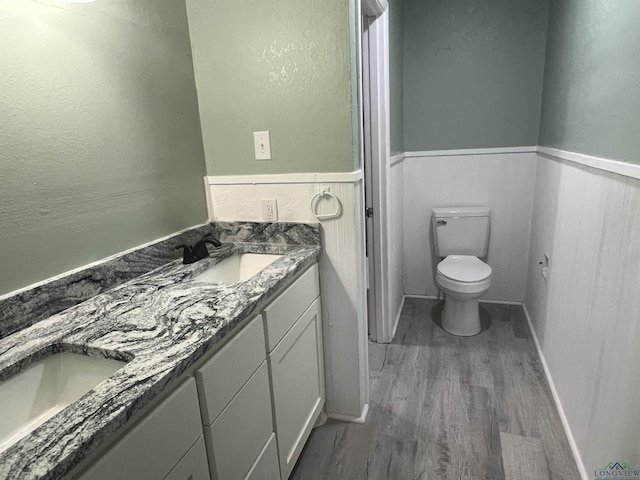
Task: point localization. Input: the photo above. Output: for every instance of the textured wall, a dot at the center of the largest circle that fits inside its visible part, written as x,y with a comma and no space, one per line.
354,47
277,65
396,76
591,101
100,143
473,73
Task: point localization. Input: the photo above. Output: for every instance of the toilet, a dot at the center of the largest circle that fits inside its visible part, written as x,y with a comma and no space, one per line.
461,236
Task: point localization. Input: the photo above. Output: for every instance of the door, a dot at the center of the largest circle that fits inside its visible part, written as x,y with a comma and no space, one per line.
375,127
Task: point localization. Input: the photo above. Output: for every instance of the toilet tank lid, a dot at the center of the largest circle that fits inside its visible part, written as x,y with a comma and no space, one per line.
450,212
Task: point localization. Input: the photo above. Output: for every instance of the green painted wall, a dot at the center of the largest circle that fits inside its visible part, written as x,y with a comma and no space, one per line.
100,142
396,74
277,65
473,73
591,101
356,81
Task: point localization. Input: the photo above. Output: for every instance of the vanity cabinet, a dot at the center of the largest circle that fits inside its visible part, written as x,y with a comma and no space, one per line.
239,390
235,399
167,443
244,414
296,365
193,465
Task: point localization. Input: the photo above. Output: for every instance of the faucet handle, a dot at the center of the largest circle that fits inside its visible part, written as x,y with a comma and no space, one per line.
199,249
187,254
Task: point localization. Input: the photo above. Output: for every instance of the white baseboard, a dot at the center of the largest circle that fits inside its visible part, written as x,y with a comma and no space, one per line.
556,399
435,297
500,302
322,419
398,315
426,297
348,418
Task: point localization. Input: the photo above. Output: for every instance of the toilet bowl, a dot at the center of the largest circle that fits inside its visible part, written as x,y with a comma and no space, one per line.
463,279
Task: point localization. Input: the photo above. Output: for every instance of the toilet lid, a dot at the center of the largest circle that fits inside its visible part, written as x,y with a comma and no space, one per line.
464,268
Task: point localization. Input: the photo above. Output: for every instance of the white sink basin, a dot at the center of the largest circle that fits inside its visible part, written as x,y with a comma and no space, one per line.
36,394
237,268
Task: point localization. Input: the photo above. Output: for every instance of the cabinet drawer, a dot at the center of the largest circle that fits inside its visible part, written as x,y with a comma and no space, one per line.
225,374
266,466
238,435
157,443
297,374
193,465
285,310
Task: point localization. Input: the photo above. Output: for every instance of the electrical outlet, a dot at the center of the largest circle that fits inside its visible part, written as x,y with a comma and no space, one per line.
269,210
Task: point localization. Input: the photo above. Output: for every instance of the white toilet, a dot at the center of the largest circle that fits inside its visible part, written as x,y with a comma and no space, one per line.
461,235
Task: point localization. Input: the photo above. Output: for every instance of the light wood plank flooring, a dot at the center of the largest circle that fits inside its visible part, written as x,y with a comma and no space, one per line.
446,407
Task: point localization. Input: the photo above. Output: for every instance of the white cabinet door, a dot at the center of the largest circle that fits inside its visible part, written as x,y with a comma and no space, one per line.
240,432
157,443
297,373
266,466
285,310
193,466
222,377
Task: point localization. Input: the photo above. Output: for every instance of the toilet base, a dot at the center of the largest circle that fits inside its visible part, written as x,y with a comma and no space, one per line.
461,316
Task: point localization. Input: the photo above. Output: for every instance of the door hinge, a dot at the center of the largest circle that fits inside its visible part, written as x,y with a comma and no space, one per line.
368,212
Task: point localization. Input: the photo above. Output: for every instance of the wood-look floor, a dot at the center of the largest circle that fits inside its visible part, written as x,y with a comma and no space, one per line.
446,407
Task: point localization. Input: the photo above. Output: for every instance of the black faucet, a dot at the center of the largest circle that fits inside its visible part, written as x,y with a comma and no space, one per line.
199,249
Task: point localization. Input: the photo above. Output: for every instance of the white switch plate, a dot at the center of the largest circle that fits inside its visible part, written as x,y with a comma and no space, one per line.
269,210
262,145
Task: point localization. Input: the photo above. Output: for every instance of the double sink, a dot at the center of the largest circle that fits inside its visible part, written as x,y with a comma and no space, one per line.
37,393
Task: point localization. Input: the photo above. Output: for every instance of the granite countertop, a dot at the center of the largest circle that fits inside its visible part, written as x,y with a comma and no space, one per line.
161,323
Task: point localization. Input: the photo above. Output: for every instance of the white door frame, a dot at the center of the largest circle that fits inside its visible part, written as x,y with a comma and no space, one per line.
375,114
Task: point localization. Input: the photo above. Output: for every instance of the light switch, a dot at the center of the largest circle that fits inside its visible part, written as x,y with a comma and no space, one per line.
262,144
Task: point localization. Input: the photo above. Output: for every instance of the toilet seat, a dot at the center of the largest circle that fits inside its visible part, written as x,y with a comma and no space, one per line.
464,275
464,269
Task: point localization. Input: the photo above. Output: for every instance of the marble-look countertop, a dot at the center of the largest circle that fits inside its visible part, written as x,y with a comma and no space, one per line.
161,323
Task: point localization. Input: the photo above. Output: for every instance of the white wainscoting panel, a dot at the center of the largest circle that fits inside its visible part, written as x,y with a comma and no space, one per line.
543,222
360,299
395,241
586,315
341,272
503,181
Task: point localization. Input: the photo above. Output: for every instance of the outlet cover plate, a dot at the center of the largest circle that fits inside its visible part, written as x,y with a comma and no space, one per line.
269,210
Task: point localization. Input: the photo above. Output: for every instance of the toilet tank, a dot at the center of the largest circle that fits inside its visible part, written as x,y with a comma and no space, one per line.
461,231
